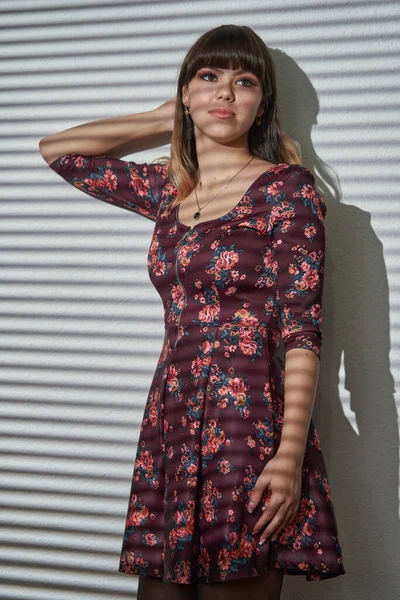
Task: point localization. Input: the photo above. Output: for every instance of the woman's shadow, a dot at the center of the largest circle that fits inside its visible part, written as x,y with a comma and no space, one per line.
355,413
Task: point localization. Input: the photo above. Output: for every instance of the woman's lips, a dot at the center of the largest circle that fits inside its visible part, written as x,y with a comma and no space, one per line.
221,114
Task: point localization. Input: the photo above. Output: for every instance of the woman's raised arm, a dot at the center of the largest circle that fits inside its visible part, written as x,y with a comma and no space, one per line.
88,158
115,137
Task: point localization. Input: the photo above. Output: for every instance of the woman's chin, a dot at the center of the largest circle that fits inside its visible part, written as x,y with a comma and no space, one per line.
221,133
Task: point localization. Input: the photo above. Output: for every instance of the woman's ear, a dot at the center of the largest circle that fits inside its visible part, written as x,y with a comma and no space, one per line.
185,95
261,108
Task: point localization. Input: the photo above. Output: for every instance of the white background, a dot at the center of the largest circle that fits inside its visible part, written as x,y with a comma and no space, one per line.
81,325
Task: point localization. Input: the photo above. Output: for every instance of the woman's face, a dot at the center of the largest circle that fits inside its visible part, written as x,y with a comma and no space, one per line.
236,92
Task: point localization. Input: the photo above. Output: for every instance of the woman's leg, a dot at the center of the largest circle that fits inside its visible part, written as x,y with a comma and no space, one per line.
154,588
265,587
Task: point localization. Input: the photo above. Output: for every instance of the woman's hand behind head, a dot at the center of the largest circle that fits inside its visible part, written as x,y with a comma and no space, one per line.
166,112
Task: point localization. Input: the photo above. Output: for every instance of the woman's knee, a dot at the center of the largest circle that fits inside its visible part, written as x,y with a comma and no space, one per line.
154,588
266,586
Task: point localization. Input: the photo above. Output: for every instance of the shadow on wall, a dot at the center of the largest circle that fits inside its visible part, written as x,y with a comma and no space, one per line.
359,439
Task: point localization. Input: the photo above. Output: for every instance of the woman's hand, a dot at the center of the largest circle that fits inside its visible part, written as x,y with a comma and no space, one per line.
283,476
166,112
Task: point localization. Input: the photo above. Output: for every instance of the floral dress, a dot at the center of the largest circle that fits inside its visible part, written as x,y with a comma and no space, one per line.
238,292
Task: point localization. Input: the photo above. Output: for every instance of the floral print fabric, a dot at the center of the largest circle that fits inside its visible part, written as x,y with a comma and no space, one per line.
233,289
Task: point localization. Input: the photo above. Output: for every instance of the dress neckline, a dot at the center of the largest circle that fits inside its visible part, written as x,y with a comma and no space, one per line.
234,209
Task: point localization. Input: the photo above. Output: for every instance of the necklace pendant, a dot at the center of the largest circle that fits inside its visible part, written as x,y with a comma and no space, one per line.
196,215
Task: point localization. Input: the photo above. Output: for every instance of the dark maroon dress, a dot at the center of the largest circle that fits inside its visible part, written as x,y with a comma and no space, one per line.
232,289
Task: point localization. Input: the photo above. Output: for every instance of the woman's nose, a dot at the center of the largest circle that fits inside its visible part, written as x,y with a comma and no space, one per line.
225,92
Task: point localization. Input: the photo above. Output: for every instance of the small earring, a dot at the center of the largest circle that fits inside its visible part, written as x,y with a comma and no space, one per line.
187,110
259,120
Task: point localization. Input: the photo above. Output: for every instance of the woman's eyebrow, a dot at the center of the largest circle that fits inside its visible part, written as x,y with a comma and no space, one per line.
234,72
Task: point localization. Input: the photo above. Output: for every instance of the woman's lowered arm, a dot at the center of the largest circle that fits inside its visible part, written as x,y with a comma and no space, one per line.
298,239
301,379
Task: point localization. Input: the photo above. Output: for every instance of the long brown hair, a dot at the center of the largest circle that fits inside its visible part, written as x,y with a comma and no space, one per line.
228,47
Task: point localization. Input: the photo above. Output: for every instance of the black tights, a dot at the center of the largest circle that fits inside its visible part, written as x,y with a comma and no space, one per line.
266,587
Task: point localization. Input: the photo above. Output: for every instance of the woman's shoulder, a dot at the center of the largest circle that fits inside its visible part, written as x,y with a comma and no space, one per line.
293,172
298,168
280,167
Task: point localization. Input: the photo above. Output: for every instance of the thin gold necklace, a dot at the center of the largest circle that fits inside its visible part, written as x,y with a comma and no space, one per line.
197,213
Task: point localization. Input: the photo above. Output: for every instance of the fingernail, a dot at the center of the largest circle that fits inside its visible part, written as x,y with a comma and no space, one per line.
273,538
250,507
261,542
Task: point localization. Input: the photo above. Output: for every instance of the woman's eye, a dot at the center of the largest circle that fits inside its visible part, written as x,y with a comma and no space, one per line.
208,74
249,82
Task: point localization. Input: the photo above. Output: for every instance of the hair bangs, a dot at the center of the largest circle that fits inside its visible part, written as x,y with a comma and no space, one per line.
227,47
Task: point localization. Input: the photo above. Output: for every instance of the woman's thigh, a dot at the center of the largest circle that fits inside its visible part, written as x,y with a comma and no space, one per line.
154,588
265,587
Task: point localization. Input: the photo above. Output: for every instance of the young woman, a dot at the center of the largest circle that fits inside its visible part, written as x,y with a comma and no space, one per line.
229,489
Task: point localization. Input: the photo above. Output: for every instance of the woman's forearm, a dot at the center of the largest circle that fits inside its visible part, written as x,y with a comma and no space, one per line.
116,137
301,380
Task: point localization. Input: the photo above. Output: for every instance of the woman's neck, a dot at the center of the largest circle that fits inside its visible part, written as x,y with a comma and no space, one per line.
215,169
218,162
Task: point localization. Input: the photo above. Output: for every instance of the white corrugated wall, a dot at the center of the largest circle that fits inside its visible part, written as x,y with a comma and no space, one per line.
81,326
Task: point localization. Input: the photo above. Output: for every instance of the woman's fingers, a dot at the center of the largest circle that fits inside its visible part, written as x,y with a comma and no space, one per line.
272,509
279,523
285,523
275,525
260,489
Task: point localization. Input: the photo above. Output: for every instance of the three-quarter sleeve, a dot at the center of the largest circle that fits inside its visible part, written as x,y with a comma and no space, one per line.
129,185
297,235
